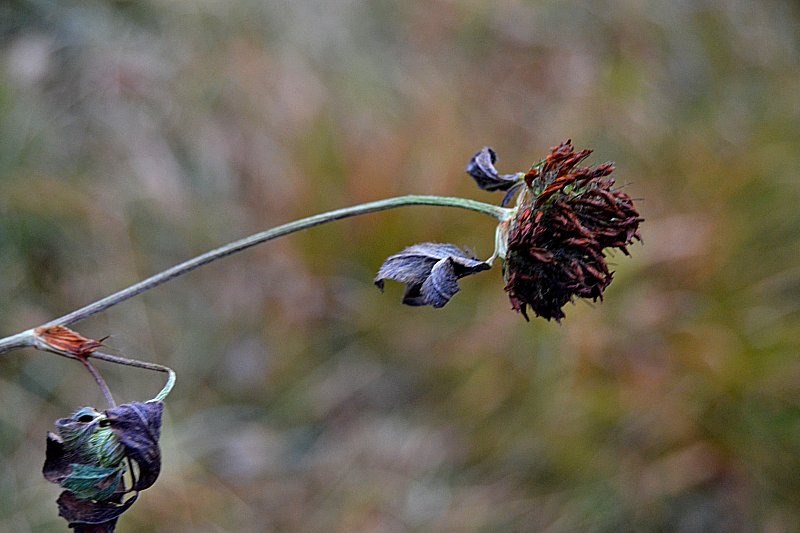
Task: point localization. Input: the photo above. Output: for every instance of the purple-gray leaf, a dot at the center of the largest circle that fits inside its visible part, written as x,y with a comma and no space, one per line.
430,272
481,168
138,427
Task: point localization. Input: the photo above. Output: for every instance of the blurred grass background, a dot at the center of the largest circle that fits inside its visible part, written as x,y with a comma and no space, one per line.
134,135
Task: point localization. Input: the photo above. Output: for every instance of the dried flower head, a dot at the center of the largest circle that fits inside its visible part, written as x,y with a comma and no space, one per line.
568,215
553,244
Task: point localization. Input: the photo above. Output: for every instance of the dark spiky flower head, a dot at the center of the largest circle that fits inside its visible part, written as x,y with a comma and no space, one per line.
567,216
553,244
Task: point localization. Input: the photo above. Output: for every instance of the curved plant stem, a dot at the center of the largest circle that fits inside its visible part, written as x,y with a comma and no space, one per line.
265,236
161,396
25,338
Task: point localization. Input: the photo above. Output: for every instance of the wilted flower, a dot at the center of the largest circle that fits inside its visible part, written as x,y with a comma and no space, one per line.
567,216
89,456
552,244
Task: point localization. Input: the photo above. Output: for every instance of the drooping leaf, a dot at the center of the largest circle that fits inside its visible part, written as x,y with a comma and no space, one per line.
81,512
430,272
481,168
87,458
138,427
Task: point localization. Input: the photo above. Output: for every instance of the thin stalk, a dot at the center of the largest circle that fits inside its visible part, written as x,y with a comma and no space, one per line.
25,338
20,340
268,235
161,396
98,378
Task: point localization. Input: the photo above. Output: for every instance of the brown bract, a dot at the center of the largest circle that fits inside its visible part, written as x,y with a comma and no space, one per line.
63,340
567,217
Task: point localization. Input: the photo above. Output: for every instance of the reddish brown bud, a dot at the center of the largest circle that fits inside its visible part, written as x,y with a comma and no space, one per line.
63,340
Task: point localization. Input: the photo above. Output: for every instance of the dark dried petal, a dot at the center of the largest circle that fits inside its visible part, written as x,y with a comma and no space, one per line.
138,427
430,272
481,168
563,158
79,512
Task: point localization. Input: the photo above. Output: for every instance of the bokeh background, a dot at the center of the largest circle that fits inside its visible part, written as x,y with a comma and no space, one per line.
134,135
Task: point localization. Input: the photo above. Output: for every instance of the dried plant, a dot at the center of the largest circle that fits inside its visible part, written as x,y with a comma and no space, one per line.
552,244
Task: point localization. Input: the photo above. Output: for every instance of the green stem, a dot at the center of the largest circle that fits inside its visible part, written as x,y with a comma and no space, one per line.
26,338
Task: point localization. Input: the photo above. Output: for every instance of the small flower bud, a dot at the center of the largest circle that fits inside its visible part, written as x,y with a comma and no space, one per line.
60,339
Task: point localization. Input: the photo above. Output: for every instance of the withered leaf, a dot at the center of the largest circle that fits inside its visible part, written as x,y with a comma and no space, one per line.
84,457
79,512
138,427
481,168
430,272
61,339
88,455
57,460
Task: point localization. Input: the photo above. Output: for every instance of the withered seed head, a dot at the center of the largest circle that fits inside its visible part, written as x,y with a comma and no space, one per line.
567,216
